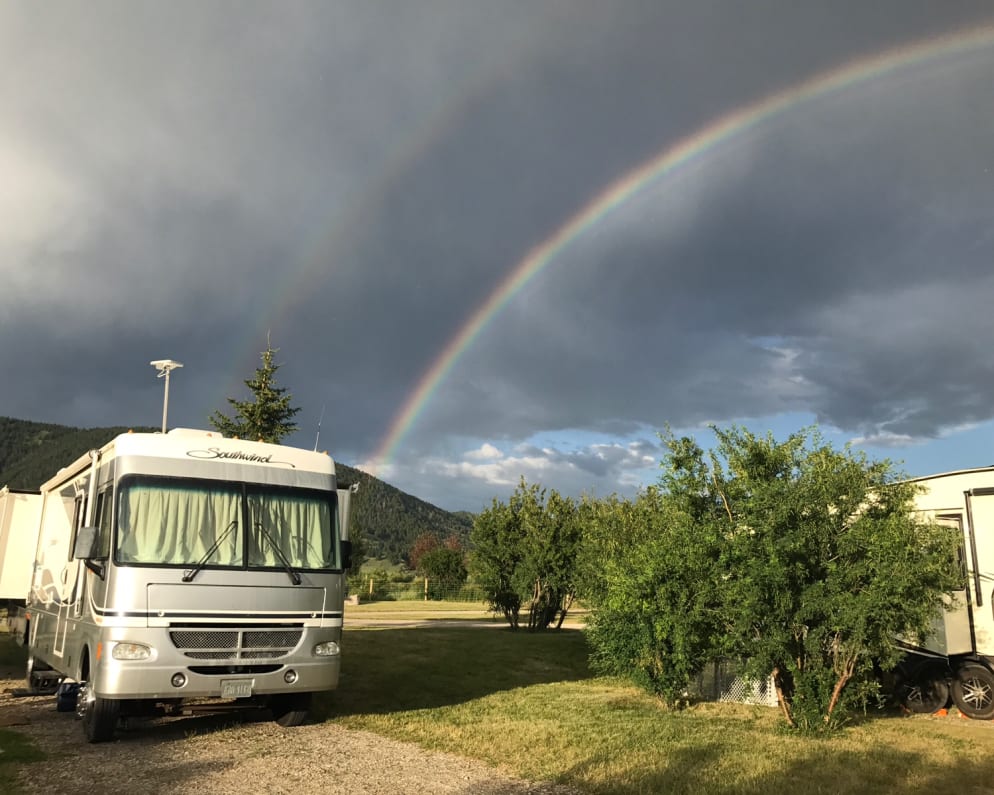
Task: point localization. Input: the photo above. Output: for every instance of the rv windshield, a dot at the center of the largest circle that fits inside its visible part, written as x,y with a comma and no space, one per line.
202,523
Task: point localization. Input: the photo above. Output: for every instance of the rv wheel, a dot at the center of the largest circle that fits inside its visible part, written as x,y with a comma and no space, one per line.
99,715
973,691
290,709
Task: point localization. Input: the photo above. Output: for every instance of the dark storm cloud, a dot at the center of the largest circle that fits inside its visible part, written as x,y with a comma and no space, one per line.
356,179
844,271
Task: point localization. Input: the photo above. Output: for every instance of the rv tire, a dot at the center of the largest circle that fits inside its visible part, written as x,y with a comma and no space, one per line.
290,709
99,715
973,691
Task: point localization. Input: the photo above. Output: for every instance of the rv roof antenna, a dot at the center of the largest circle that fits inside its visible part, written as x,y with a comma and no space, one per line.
318,437
164,366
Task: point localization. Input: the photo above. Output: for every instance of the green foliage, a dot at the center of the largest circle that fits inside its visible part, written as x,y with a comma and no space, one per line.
268,417
525,552
496,540
444,569
372,585
655,589
803,560
423,544
828,564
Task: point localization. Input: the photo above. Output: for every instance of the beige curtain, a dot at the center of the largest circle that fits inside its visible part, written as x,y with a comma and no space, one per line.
301,526
177,525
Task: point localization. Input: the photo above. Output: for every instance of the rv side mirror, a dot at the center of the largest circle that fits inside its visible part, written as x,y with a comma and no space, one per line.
346,555
86,541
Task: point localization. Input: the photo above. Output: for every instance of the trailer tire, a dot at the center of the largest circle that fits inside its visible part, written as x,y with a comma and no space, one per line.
925,694
290,709
99,715
973,691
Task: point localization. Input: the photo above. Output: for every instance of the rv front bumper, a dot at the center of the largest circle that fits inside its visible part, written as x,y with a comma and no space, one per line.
168,674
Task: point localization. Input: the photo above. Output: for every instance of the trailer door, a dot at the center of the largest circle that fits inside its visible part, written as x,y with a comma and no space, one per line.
954,628
980,515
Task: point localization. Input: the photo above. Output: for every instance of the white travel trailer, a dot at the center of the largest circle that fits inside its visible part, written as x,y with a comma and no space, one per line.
957,658
19,512
186,567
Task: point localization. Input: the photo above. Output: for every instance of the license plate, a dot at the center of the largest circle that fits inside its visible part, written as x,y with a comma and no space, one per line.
236,688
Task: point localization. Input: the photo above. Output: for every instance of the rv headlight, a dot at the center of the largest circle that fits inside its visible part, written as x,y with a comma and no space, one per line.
131,651
327,649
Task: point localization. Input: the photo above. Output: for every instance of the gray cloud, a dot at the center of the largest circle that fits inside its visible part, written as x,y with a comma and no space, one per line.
357,178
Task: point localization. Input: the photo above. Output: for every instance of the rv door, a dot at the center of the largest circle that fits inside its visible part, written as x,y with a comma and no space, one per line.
69,602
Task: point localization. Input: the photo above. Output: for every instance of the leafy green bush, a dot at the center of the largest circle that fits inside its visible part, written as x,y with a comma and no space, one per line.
802,560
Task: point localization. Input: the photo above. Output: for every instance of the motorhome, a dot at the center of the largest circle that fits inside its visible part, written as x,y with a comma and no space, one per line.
957,658
186,570
19,512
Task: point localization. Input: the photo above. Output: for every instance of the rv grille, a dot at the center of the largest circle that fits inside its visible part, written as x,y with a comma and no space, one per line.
258,643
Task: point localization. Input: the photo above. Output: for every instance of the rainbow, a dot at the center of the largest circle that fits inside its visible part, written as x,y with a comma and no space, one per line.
662,166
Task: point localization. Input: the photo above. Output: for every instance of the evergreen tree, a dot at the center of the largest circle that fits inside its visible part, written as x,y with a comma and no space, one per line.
269,416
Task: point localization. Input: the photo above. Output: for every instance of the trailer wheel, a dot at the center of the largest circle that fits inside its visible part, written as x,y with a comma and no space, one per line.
99,715
925,695
290,709
973,691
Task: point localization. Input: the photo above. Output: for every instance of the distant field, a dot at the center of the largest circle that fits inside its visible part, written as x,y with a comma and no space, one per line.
429,609
439,610
382,564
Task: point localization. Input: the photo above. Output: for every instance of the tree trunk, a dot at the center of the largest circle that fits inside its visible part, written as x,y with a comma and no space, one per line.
843,679
781,698
567,603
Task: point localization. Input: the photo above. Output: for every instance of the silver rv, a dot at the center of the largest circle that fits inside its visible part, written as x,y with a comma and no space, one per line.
185,570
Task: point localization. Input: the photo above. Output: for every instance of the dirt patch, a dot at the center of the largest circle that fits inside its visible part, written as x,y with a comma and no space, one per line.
236,754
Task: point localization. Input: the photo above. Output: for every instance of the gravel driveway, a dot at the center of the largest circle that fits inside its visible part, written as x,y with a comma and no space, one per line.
236,755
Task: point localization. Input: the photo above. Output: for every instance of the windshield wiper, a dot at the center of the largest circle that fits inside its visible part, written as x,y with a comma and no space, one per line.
290,570
189,575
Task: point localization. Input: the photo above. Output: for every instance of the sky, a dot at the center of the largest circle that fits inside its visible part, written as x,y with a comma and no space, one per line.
505,240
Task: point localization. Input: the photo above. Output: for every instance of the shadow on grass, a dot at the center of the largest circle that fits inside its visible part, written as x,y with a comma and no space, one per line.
391,670
818,768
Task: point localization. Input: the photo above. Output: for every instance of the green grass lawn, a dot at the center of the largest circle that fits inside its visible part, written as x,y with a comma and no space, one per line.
529,702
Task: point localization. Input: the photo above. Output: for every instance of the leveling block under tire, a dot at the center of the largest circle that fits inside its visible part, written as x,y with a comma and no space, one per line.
65,697
42,680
